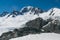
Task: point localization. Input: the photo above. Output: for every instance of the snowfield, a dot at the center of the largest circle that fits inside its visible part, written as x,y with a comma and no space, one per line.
43,36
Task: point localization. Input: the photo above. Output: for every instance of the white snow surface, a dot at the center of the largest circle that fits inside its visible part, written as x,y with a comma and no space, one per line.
43,36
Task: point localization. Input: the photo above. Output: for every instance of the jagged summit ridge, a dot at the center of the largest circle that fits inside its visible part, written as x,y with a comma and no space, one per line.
32,9
24,10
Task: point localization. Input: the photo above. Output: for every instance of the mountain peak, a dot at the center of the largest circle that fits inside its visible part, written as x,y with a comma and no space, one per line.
54,11
56,8
33,10
26,8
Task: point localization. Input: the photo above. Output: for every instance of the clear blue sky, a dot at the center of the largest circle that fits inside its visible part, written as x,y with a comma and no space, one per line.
9,5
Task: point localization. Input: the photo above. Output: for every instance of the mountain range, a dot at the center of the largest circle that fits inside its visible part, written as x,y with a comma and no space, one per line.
29,20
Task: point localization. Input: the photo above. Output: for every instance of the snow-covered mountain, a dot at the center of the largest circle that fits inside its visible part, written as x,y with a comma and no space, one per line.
29,20
24,10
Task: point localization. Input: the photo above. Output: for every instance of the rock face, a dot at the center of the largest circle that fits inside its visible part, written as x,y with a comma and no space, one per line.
53,26
37,23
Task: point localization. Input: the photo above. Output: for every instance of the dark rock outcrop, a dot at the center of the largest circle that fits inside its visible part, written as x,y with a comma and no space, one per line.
31,27
53,26
37,23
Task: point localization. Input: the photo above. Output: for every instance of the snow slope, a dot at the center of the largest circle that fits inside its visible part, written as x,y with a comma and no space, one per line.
43,36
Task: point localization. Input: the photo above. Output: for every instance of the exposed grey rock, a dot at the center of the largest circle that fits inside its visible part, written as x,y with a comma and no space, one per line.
37,23
53,26
31,27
